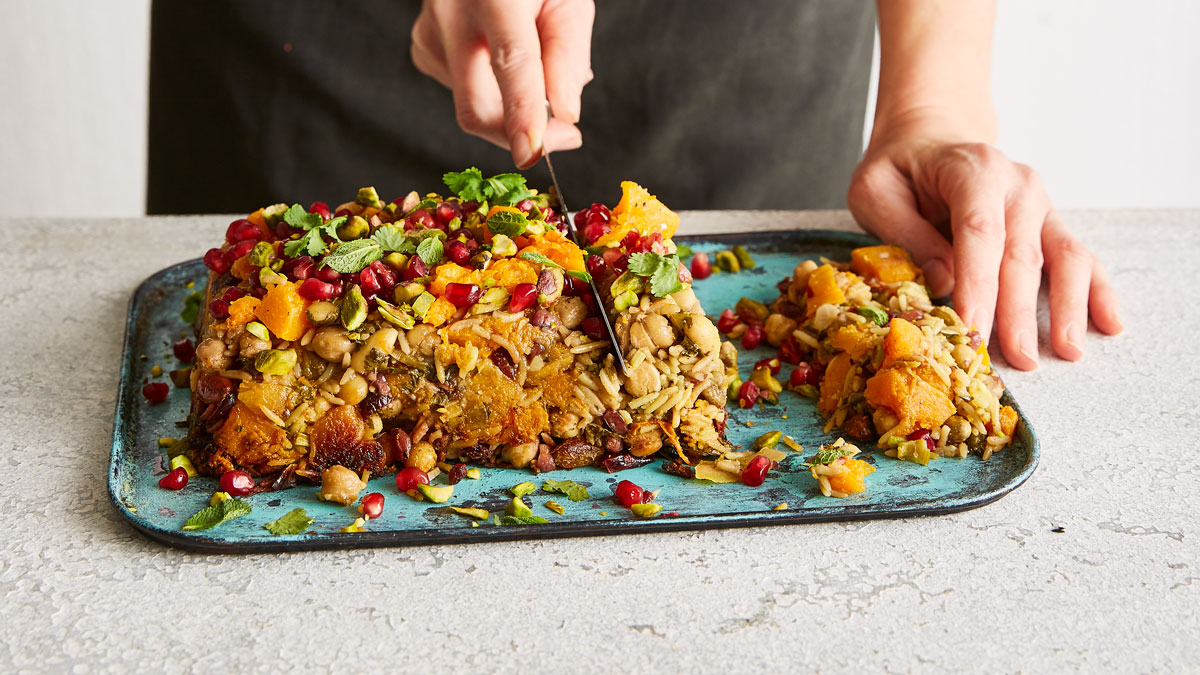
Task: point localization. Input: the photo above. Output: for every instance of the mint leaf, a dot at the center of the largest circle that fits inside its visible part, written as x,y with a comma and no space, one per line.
393,239
430,250
665,279
508,223
536,257
191,306
522,520
568,488
212,516
580,275
644,264
468,184
353,256
293,522
507,189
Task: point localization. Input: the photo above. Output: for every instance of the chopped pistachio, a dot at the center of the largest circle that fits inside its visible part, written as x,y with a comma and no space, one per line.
394,315
521,489
355,228
768,440
275,361
356,526
781,506
625,300
422,303
273,214
791,443
454,224
755,308
396,261
354,308
182,462
322,313
167,441
555,507
367,196
808,391
407,292
481,514
262,254
492,299
260,331
645,510
735,385
743,257
518,509
727,262
474,474
765,381
217,498
269,276
156,371
503,246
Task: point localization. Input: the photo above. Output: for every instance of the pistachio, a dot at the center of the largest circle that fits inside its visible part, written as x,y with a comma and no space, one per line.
182,377
396,261
275,361
395,315
521,489
645,510
355,228
273,214
481,259
422,303
765,381
735,385
743,257
368,197
455,224
354,309
481,514
768,440
625,300
217,498
322,313
550,285
503,246
518,509
408,291
410,202
555,507
182,462
474,474
269,276
261,254
491,300
754,308
628,281
535,228
258,330
727,262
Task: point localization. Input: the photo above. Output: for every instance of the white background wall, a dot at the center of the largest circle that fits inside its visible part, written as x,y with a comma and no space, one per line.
1101,97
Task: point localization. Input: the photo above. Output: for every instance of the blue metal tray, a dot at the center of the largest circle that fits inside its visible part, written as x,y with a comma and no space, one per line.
896,489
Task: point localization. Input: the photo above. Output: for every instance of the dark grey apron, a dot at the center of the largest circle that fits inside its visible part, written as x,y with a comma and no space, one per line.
753,104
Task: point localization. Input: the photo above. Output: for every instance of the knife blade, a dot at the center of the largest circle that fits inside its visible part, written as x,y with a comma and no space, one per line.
578,239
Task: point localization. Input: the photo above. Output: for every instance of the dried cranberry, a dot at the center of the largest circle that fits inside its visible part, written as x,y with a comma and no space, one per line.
803,374
321,209
727,321
923,434
628,494
373,403
237,483
463,295
748,394
756,471
615,463
594,327
701,267
457,473
773,363
789,351
446,212
401,445
315,289
214,259
242,230
372,505
409,477
523,297
415,269
753,337
504,363
176,479
614,422
458,252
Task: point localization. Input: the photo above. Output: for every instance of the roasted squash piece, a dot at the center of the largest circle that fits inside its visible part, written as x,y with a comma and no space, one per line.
833,381
918,402
889,264
854,339
823,288
274,397
252,440
1008,420
449,272
902,339
852,480
640,210
282,311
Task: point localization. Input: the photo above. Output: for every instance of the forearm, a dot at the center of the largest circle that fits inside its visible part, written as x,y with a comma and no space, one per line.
935,63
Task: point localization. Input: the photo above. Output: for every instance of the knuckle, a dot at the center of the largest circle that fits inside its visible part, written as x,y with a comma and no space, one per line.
508,57
1030,179
1024,254
1070,248
866,186
980,225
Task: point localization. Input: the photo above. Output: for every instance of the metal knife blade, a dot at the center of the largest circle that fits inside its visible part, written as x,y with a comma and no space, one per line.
578,239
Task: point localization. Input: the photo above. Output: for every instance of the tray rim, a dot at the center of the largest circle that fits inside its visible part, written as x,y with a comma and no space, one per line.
424,537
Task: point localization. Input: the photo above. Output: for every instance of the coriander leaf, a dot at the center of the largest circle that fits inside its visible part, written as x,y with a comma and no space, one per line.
536,257
212,516
430,250
297,216
644,264
522,520
466,184
392,239
191,306
293,522
665,280
508,223
683,251
310,244
569,488
353,256
508,189
827,455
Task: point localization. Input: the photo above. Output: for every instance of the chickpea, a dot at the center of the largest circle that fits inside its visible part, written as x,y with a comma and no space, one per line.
331,343
250,345
643,379
801,272
638,337
646,442
777,328
423,338
700,330
340,485
383,340
354,391
423,456
210,354
687,301
519,454
659,330
571,312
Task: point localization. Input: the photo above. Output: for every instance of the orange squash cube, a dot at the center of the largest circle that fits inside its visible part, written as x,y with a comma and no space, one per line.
889,264
903,339
832,383
282,311
852,480
823,288
918,402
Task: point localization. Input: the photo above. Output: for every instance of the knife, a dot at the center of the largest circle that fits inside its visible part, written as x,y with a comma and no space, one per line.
578,239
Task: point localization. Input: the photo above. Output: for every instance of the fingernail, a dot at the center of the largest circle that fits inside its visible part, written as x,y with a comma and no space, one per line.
1075,339
940,281
523,149
1027,345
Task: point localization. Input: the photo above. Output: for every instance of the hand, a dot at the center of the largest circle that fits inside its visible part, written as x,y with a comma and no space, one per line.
917,186
503,59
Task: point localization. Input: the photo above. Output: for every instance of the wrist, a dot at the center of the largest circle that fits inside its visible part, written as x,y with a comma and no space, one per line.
947,123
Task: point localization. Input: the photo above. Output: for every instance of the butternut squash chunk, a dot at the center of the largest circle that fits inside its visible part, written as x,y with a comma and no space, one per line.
889,264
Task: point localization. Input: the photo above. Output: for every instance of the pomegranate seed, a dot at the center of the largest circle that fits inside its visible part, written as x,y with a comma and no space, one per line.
315,289
446,212
802,374
581,218
789,351
701,267
523,297
369,282
525,205
685,275
237,483
386,275
214,259
457,473
239,249
419,220
748,394
593,231
463,295
727,321
409,477
601,211
573,288
342,212
632,241
653,242
184,350
628,494
177,479
596,265
621,264
233,293
328,274
242,230
594,327
753,337
923,434
299,269
589,298
458,252
773,363
155,392
285,231
219,309
321,209
415,269
756,471
372,505
259,292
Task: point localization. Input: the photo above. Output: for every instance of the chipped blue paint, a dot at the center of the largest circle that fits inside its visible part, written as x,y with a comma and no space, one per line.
896,489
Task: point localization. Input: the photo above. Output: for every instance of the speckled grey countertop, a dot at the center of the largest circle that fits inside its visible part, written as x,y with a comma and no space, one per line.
994,589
